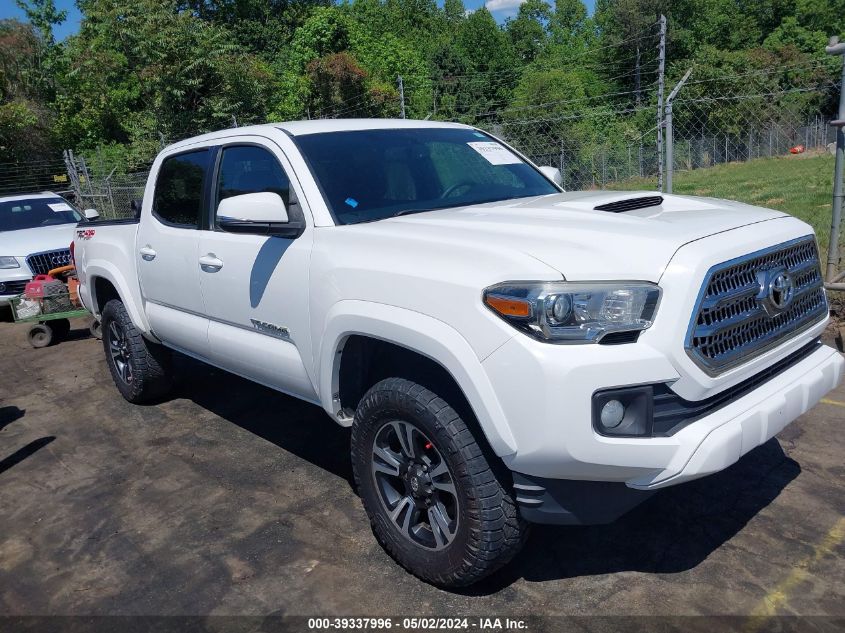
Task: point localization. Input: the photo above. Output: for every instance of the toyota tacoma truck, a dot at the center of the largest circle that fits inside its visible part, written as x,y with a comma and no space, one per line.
505,352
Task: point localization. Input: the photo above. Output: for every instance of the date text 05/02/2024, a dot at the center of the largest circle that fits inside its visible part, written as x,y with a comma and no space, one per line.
486,624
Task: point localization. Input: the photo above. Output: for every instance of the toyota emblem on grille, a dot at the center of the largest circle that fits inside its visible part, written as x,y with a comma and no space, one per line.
780,290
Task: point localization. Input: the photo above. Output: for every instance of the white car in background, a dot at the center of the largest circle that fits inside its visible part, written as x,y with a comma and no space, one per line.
35,234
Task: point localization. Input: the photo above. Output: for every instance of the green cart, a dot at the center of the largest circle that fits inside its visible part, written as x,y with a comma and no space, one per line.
50,317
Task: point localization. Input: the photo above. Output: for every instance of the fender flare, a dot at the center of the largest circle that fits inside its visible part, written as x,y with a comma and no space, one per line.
425,335
104,269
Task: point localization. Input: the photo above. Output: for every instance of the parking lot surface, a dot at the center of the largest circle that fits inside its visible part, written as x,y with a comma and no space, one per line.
230,498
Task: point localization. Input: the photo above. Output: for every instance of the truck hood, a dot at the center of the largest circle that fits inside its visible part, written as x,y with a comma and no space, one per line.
567,233
43,238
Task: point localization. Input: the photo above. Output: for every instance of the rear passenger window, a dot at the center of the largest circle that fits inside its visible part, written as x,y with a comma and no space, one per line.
251,169
178,193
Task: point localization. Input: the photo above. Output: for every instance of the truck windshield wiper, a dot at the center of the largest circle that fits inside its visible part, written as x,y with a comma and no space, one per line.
410,212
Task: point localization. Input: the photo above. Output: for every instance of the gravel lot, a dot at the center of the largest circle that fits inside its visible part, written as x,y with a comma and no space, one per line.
233,499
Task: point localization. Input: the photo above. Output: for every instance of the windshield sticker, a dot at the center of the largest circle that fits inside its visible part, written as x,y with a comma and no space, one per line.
494,153
352,202
478,134
60,206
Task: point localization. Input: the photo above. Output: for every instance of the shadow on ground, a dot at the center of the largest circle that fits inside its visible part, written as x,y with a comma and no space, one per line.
314,436
673,531
9,415
22,453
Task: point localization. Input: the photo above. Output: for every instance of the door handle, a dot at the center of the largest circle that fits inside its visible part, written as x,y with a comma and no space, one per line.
147,254
210,264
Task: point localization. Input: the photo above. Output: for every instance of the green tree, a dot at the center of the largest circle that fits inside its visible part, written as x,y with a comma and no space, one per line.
529,31
43,15
140,72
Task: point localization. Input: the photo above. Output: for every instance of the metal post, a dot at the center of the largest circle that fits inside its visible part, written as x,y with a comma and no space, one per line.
670,148
837,48
670,140
661,69
401,95
562,166
110,193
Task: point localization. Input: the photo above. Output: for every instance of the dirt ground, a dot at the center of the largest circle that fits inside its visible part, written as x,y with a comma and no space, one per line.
230,498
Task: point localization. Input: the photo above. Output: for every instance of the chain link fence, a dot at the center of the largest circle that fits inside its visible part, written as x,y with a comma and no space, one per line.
720,122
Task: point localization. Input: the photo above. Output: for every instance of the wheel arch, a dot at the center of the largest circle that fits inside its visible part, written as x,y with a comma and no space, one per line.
105,283
429,350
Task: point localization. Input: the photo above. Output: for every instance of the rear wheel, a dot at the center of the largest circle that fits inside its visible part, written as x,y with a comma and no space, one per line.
434,501
140,369
40,335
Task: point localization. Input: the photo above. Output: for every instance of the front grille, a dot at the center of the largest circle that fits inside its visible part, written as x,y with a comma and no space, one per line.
40,263
737,317
13,287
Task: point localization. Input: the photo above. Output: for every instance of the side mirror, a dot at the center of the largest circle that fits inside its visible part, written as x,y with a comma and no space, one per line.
262,213
135,206
91,214
553,174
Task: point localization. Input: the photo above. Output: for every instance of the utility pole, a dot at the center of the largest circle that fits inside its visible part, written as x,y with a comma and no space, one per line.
401,95
670,139
661,70
834,279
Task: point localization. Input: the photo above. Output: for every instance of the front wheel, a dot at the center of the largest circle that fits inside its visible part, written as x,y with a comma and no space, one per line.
434,501
140,369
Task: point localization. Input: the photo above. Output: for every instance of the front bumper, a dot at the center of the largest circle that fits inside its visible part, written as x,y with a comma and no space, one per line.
707,446
546,390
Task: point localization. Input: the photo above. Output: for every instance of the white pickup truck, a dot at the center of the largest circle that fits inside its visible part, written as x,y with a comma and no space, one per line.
504,351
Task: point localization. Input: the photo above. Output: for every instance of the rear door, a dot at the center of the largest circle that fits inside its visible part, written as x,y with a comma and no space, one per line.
167,245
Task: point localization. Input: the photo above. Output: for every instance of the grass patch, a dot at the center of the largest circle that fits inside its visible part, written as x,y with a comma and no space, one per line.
799,185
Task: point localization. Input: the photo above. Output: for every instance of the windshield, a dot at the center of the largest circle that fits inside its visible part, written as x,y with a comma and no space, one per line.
34,212
375,174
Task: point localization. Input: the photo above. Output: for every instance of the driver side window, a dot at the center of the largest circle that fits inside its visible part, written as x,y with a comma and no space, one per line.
250,169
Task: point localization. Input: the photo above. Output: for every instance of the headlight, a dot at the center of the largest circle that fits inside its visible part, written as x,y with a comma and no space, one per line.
8,262
574,312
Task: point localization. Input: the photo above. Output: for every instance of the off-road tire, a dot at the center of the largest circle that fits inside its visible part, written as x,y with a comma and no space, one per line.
490,530
150,363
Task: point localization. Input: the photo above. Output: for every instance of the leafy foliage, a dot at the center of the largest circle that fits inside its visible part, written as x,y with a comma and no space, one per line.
147,72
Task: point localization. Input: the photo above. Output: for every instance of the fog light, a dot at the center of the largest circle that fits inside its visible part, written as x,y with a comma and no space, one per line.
612,414
624,412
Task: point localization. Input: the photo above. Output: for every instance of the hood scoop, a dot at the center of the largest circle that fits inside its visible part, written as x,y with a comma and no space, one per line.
629,204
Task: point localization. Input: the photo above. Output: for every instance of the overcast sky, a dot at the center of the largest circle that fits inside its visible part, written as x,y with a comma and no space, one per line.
501,9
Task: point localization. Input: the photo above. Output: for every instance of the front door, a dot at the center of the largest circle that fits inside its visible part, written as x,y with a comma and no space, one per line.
167,245
255,287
